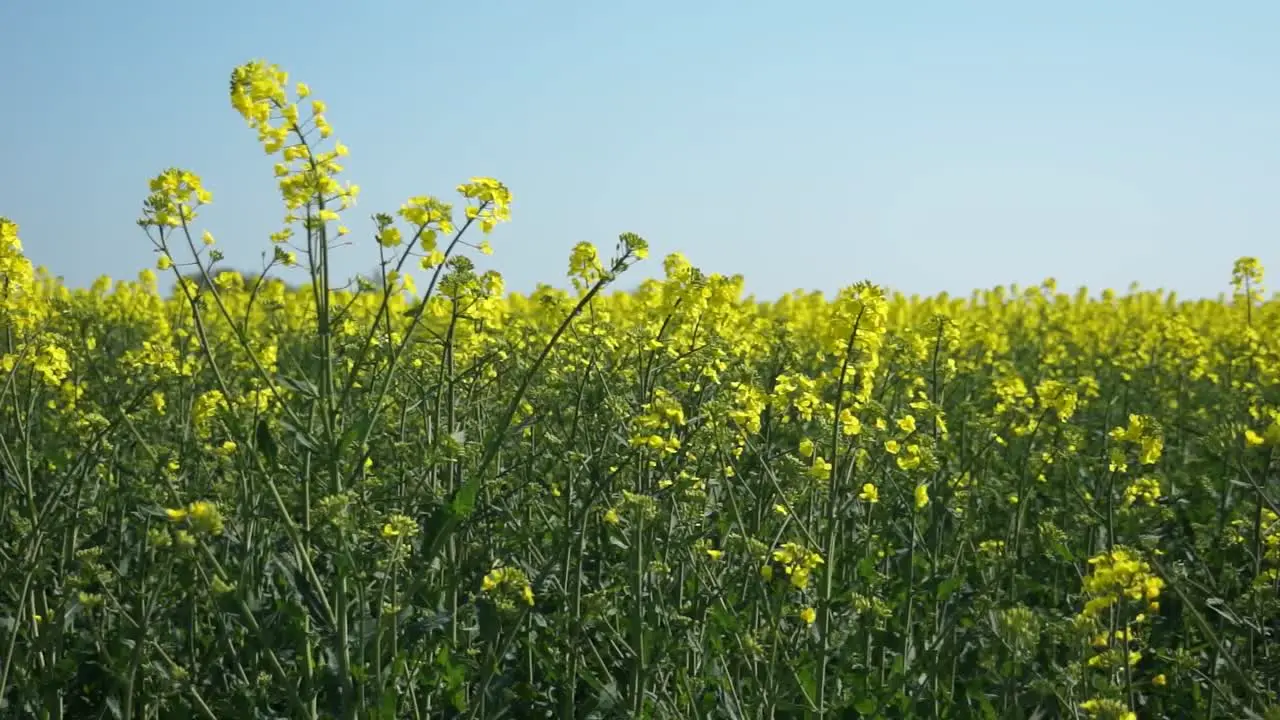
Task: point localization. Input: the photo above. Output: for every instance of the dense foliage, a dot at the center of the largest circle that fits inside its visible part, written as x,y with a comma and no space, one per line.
247,500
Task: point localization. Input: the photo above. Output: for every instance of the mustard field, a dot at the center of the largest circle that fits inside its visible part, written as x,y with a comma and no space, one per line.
417,495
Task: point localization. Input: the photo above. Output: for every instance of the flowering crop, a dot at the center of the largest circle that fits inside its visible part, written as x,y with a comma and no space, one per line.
430,497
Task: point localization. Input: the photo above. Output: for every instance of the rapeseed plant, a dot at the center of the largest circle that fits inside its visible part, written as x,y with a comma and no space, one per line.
429,496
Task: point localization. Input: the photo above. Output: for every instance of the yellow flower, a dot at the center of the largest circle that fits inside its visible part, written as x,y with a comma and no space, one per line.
870,493
922,496
204,517
796,561
399,526
808,615
821,469
911,458
390,237
506,583
849,423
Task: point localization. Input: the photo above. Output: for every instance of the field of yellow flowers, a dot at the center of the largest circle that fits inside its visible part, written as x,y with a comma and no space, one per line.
383,499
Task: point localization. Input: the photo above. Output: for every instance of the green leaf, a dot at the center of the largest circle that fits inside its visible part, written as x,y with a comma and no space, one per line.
464,500
301,436
948,587
445,521
267,442
302,386
867,568
387,705
489,620
355,432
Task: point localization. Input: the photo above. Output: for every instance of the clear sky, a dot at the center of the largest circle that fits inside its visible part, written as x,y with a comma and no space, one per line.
927,145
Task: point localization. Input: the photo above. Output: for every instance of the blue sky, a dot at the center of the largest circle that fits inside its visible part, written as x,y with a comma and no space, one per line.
926,146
